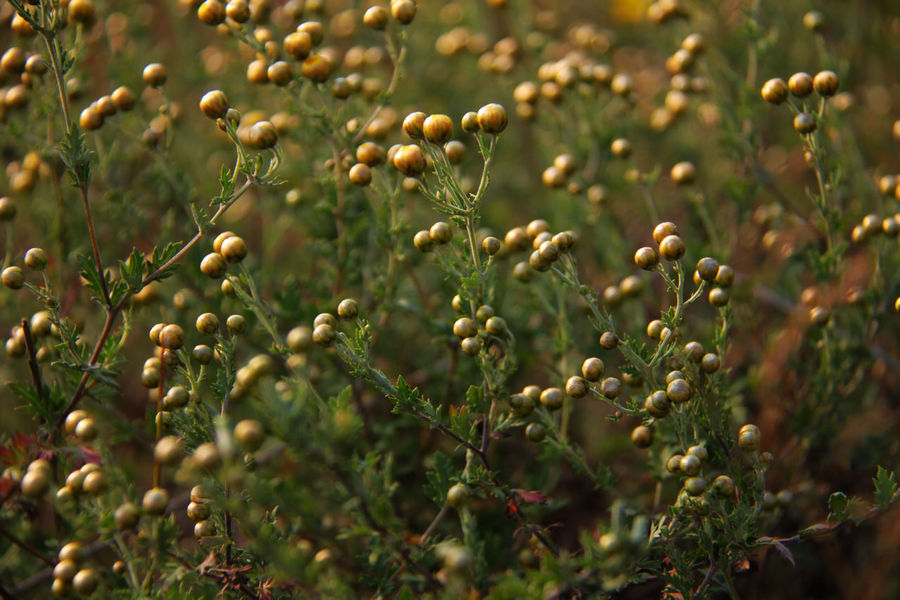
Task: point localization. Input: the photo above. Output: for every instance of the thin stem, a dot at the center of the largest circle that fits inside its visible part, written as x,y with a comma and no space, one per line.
433,525
56,67
25,546
32,360
95,248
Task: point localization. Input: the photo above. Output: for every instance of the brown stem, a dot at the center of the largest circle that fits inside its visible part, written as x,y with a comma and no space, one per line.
339,186
25,546
32,360
157,466
94,246
117,308
434,523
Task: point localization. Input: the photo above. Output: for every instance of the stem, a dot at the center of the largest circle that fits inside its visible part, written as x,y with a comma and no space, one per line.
433,525
32,360
56,66
114,311
95,248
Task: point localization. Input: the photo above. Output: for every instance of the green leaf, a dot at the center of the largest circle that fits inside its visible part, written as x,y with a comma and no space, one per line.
161,256
838,506
76,156
91,275
885,487
475,399
132,270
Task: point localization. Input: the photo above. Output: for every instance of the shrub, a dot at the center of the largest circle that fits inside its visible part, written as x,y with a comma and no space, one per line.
332,299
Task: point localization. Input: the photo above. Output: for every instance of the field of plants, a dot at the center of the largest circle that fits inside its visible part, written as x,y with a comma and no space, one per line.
449,299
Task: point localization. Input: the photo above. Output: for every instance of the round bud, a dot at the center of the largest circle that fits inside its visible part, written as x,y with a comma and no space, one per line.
437,129
249,434
233,249
492,118
410,160
642,436
646,258
13,277
620,148
690,465
298,44
465,327
360,175
576,387
800,84
707,268
376,17
123,98
7,209
168,450
211,12
683,173
592,368
609,340
316,68
673,464
826,83
724,276
204,529
155,501
470,346
805,123
94,483
749,438
324,335
723,485
127,516
72,420
469,122
672,247
491,245
154,75
65,569
657,404
35,483
279,73
535,432
171,337
440,232
678,391
695,486
36,259
85,582
413,125
699,451
552,398
86,430
404,11
207,324
263,135
235,324
710,362
457,495
213,265
775,91
214,104
299,339
718,297
611,387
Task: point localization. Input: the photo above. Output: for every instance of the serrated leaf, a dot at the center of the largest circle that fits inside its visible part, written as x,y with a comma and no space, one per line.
91,275
885,487
76,156
132,270
475,399
838,505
